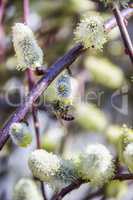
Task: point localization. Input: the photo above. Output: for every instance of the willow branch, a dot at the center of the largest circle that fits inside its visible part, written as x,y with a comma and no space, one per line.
123,30
73,186
46,80
30,77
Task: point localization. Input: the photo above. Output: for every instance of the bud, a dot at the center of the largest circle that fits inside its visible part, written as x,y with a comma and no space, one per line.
104,72
90,117
20,134
51,169
95,165
90,31
26,189
28,53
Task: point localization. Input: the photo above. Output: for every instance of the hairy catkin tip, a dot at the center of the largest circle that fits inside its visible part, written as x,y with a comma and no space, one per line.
28,53
20,134
95,165
26,189
123,3
90,31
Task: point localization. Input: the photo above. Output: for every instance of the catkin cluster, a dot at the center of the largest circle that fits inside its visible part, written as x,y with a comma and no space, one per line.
95,165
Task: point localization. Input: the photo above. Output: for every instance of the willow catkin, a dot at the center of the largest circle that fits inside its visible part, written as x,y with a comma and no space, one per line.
20,134
95,165
28,53
51,168
90,31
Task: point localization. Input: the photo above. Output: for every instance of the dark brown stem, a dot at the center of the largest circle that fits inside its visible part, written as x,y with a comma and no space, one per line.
34,110
45,81
124,33
31,83
73,186
2,8
123,177
67,189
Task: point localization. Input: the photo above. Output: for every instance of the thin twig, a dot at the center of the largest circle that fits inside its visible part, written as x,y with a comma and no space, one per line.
124,33
34,109
45,81
73,186
2,8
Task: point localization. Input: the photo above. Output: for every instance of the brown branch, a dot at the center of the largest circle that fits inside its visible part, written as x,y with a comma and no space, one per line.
124,33
73,186
67,190
31,82
45,81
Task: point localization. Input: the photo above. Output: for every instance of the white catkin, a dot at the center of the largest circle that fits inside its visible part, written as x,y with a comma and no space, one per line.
51,169
28,53
95,165
90,31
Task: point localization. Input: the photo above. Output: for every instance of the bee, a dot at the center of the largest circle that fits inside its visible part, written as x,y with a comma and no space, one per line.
67,117
63,105
64,111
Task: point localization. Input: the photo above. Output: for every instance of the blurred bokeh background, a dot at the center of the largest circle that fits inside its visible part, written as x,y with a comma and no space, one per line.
104,81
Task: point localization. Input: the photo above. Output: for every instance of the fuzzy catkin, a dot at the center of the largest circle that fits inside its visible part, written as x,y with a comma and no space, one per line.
51,169
63,86
20,134
28,53
26,189
95,165
90,31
